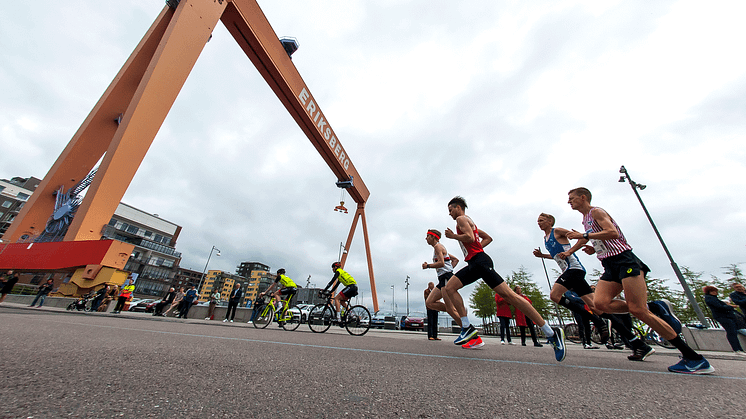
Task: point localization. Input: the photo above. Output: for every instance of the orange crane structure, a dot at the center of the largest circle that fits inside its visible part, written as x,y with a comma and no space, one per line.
124,122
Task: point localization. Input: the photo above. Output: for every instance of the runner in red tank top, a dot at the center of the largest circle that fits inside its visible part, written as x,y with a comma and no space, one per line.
479,265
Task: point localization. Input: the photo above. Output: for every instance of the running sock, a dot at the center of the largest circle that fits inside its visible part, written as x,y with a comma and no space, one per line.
548,332
623,331
465,322
685,350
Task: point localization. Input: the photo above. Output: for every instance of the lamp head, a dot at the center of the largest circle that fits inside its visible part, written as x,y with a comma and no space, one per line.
621,179
622,170
641,187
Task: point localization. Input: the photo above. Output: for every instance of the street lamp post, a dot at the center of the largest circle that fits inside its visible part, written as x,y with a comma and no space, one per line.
205,270
393,310
635,186
406,287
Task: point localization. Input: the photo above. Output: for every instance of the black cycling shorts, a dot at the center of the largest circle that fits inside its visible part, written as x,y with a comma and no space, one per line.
480,266
574,280
288,291
349,291
623,265
442,279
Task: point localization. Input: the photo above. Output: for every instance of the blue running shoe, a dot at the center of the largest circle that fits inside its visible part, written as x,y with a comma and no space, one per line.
467,334
558,343
688,366
663,309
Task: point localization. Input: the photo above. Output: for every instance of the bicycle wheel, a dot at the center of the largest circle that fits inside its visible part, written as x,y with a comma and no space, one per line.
265,316
572,333
357,320
596,336
320,318
291,321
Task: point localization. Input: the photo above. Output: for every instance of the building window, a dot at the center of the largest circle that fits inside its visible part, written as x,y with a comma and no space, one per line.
113,222
7,204
148,233
22,196
132,229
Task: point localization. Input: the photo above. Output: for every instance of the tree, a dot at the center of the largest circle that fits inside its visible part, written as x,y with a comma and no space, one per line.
482,301
540,302
735,273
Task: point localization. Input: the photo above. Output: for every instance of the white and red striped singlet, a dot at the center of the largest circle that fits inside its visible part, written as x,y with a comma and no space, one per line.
605,248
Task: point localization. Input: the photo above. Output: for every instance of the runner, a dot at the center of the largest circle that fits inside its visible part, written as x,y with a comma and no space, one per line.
479,265
623,271
573,279
443,263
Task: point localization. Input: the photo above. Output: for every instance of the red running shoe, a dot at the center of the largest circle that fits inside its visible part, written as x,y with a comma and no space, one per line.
475,343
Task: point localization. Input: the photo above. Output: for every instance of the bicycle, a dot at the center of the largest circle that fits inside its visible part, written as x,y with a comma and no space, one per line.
286,318
649,335
356,319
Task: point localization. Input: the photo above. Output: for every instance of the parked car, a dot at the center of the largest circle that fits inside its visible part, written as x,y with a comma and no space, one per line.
305,309
379,318
147,305
414,321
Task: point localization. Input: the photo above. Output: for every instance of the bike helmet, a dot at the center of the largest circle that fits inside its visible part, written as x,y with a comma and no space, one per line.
281,271
336,265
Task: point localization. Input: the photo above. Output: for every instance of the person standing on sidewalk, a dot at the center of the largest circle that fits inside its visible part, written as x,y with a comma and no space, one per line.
44,290
505,314
233,301
214,300
10,281
524,322
124,296
432,315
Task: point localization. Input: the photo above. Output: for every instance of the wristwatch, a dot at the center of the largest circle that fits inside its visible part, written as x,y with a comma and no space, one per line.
585,236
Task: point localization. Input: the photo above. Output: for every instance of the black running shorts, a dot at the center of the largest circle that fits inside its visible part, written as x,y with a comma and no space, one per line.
574,280
480,266
442,279
623,265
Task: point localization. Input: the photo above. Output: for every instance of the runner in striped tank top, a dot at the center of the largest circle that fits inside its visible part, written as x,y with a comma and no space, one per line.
623,271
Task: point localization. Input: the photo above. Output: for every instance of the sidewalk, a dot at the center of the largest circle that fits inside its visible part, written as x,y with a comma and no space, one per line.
574,347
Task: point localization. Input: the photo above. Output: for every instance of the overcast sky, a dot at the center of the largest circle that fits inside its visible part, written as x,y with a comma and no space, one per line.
509,104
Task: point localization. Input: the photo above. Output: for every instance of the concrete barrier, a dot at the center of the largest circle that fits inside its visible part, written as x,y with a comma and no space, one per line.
709,339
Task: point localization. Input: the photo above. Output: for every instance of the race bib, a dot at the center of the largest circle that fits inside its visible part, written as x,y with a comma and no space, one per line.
561,262
599,247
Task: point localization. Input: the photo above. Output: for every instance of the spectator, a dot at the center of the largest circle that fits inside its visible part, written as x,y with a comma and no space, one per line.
725,315
432,316
100,295
124,295
235,298
738,296
524,322
10,281
44,290
584,324
167,299
104,307
177,300
256,308
505,316
189,298
214,300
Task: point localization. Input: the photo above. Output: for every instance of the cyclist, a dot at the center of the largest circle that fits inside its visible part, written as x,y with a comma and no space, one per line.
285,285
349,291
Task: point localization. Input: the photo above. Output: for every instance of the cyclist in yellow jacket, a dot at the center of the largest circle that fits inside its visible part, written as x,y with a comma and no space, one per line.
350,286
286,288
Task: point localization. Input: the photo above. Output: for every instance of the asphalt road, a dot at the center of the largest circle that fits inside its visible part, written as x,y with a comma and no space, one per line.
60,364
